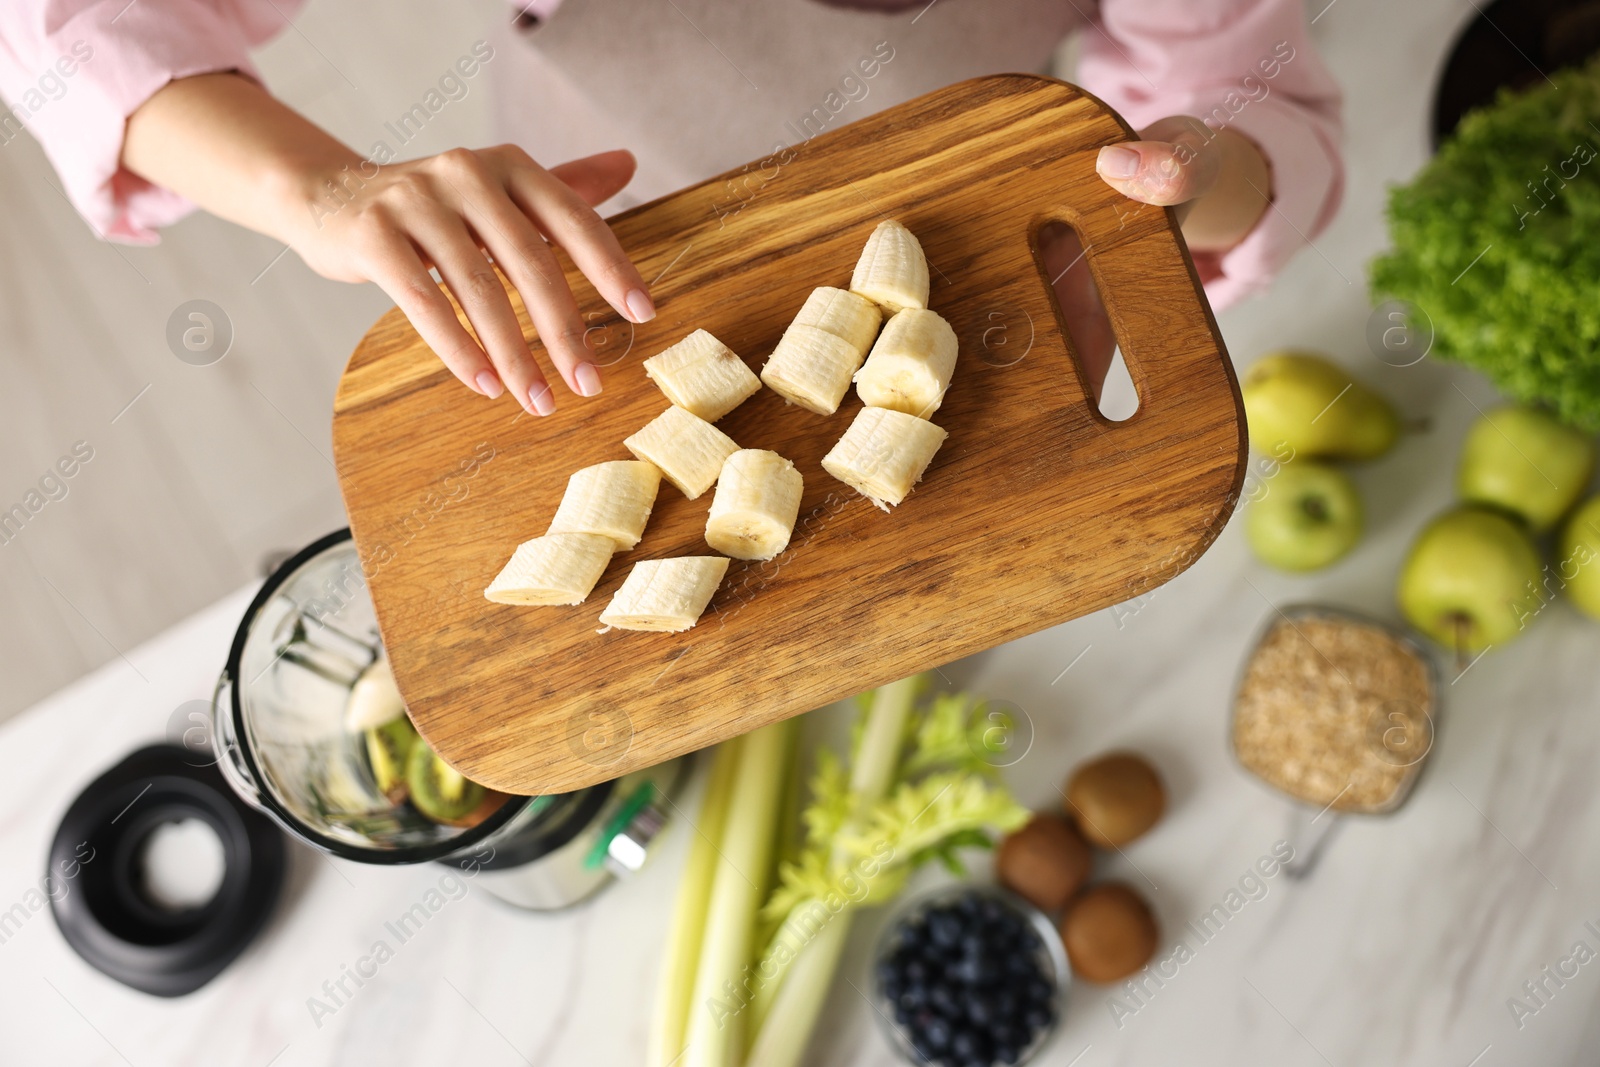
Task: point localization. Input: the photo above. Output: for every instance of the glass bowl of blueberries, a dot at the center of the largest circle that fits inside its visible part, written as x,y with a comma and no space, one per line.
969,975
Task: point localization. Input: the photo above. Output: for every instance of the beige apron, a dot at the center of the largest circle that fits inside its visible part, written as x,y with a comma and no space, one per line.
697,87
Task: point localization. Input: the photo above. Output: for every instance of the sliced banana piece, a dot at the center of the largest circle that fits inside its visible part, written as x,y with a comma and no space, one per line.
374,699
884,453
892,271
665,595
755,506
611,499
687,449
909,368
553,569
842,313
703,376
812,368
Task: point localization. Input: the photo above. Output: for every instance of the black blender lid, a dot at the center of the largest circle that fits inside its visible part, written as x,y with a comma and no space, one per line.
94,883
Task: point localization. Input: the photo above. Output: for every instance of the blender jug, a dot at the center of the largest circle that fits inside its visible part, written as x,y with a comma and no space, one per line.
285,743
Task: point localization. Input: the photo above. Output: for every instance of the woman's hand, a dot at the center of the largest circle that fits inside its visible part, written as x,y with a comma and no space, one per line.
1218,181
455,212
226,144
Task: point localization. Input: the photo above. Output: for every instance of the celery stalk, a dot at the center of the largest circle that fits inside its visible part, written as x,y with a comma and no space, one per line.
669,1028
791,1013
782,1038
721,985
872,773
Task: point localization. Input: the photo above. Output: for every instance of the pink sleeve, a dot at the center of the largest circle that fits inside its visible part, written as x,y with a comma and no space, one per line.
1241,64
72,71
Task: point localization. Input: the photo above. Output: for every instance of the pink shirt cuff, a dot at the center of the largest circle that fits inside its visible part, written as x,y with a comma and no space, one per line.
1307,186
125,53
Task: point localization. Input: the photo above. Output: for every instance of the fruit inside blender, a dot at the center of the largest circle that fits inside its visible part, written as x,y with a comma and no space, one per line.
403,768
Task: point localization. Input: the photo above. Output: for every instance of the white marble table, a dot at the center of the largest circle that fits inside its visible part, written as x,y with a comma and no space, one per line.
1402,948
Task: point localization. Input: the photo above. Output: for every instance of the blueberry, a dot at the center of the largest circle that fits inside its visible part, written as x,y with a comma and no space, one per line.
992,910
1006,1054
1006,1004
942,999
1038,991
967,904
969,1046
892,988
903,1013
944,931
937,1032
1022,967
914,996
914,971
1003,1032
1038,1017
980,1010
1029,940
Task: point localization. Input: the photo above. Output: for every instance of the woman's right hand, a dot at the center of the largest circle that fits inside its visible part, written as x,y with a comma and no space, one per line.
227,145
455,212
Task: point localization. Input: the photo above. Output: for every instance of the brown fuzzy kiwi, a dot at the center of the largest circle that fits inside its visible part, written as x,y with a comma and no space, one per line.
1044,862
1115,798
1109,932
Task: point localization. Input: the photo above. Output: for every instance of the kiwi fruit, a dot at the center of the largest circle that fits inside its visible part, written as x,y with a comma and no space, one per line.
388,749
1109,933
1115,799
1044,862
438,790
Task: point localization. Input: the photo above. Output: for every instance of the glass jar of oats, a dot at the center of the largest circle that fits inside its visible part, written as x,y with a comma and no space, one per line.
1335,710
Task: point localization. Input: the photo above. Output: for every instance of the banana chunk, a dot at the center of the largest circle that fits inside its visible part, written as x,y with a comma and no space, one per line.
756,504
884,453
812,368
687,449
842,313
611,499
665,595
909,368
553,569
892,271
703,376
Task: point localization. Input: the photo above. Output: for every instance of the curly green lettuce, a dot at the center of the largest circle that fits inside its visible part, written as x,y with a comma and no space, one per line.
1497,241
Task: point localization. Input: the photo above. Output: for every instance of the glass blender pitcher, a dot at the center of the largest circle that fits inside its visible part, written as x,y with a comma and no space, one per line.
284,742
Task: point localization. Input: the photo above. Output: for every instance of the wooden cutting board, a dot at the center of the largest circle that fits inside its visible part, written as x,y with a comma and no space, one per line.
1035,511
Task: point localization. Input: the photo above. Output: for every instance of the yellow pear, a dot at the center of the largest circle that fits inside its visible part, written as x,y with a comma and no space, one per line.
1315,407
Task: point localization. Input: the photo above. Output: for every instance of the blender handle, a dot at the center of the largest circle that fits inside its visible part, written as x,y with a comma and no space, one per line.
226,746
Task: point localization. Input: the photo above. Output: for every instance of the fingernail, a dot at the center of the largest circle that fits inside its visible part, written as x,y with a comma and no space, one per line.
588,379
639,305
543,403
1117,162
489,384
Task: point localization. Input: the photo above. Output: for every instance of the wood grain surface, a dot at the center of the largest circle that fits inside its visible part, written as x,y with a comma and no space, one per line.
1035,511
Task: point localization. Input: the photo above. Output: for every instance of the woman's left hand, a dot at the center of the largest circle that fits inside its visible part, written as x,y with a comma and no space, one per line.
1218,181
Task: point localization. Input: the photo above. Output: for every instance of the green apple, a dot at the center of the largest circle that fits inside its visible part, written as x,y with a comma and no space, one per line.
1521,460
1579,565
1310,516
1471,580
1313,405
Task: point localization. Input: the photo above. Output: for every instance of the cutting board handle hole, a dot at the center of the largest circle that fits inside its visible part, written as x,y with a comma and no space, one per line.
1091,337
